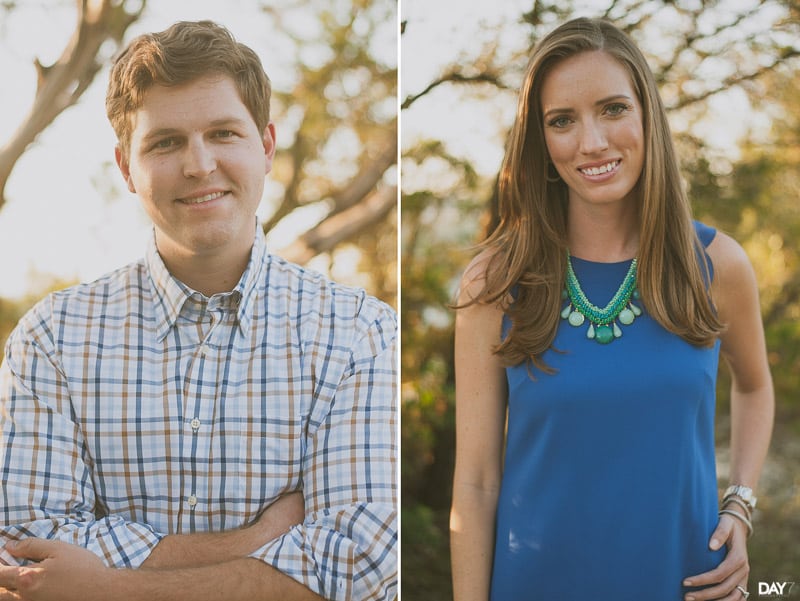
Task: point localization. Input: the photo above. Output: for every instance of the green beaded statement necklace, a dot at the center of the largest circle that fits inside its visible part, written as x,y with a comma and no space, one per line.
603,326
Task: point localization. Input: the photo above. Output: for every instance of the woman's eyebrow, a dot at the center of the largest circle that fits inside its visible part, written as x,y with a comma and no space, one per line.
562,111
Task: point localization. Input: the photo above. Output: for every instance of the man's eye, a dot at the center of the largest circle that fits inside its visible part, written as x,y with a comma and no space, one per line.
165,143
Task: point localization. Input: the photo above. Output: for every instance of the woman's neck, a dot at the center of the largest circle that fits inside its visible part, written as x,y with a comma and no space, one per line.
603,233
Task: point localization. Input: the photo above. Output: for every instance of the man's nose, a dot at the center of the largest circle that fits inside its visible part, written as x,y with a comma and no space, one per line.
199,159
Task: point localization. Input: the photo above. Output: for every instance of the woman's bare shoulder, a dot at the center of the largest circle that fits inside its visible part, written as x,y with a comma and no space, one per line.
732,266
475,278
734,281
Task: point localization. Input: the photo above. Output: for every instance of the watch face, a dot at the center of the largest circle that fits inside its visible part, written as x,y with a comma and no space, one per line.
745,493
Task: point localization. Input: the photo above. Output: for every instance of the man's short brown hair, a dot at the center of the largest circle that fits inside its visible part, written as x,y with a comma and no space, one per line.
180,54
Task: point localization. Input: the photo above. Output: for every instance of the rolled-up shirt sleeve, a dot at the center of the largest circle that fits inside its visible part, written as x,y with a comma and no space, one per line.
347,546
45,471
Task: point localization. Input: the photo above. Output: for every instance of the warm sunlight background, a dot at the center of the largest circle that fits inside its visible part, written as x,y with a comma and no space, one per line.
68,217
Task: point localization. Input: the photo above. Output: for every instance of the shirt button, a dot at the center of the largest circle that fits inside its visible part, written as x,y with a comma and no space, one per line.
204,350
195,424
192,501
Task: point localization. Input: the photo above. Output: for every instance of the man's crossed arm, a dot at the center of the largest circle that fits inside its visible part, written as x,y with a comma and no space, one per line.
191,567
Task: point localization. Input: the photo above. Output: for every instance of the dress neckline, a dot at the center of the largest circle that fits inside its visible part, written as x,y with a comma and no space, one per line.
612,263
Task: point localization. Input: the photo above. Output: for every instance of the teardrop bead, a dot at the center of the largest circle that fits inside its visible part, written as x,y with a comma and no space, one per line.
636,310
576,319
566,311
617,331
590,332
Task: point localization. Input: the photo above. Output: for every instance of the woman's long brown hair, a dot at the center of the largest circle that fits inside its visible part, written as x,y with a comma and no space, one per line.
528,248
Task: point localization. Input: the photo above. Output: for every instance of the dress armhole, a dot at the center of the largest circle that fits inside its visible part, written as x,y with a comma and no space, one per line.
706,235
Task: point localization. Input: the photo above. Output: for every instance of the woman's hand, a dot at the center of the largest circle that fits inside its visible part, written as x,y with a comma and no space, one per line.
732,572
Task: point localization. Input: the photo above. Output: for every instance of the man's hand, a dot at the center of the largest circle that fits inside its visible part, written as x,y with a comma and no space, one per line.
64,572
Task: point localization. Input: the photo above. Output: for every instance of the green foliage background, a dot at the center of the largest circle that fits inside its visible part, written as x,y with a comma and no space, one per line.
750,193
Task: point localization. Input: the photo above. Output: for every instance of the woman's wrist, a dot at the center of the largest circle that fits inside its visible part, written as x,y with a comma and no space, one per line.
744,493
740,512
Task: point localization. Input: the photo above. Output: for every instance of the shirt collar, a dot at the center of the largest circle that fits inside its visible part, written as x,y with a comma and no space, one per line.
170,294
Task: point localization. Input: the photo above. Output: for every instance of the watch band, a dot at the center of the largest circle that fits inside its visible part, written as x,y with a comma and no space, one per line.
745,493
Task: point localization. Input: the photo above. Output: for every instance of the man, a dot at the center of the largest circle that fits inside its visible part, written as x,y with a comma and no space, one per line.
160,424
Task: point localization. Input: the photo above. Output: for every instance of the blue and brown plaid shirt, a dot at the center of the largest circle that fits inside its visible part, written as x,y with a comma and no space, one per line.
133,408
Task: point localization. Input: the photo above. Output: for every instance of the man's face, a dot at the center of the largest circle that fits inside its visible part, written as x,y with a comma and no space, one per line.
197,161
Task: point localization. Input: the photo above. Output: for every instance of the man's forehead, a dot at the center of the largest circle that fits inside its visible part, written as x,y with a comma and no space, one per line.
200,103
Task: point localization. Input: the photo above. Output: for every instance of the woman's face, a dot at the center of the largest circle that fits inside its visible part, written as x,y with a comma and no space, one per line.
593,128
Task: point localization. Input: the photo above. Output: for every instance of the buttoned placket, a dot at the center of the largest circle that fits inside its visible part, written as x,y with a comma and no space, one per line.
201,393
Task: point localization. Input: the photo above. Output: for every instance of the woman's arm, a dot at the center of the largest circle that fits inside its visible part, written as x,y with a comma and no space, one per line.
480,421
735,294
744,349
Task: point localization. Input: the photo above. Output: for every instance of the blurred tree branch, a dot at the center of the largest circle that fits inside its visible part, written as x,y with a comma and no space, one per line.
694,43
342,226
343,153
454,76
61,84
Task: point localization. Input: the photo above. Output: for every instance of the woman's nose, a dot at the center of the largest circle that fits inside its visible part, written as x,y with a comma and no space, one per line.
593,138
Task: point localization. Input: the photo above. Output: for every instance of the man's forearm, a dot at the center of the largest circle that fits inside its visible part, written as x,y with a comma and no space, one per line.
68,573
240,579
203,549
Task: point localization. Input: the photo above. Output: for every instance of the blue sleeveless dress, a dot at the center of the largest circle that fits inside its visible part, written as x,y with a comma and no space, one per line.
609,487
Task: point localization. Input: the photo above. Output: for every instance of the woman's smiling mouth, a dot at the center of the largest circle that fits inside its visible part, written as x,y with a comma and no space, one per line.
601,169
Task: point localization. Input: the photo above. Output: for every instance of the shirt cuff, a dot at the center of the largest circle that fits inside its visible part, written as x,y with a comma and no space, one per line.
118,543
349,554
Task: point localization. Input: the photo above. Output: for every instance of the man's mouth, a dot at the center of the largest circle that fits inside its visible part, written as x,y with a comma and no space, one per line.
195,200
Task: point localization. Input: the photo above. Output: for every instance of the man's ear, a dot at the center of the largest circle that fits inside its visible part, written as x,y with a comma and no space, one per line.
124,167
268,140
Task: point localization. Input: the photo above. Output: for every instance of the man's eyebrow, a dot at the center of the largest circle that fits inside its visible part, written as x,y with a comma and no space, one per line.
162,132
159,133
567,111
227,121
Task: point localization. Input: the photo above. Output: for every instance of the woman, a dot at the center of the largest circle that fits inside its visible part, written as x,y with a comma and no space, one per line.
593,319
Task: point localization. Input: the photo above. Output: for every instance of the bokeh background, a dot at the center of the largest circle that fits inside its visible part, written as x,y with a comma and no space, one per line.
729,73
330,202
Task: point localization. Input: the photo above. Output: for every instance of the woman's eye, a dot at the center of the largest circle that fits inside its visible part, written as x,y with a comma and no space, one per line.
559,122
616,109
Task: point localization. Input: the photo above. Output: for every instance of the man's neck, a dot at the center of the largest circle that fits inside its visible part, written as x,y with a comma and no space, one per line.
208,273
